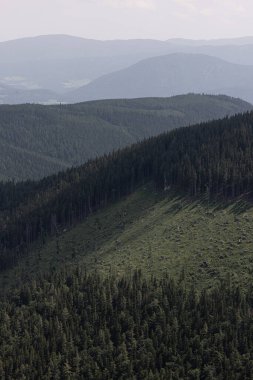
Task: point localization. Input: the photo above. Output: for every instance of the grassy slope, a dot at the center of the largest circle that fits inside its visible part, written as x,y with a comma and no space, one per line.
36,140
158,234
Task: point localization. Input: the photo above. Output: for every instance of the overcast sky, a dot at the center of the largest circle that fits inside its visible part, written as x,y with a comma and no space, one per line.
114,19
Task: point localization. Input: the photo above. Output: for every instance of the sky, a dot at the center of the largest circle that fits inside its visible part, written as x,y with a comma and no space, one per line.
126,19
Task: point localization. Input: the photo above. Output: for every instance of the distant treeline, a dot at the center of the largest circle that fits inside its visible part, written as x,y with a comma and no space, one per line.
215,158
78,326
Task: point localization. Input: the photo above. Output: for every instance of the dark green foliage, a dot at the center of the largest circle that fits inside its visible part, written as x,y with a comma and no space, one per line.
214,158
79,326
36,140
74,325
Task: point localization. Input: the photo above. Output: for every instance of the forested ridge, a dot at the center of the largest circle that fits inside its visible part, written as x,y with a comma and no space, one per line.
37,140
72,325
213,158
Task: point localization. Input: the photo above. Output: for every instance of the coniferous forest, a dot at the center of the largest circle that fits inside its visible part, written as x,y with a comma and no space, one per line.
37,140
213,158
74,324
80,326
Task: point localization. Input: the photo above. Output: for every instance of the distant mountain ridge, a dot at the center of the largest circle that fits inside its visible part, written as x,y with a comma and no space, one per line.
62,63
65,46
213,42
171,75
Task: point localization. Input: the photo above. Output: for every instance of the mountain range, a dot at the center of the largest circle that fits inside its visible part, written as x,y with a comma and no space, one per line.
53,67
169,75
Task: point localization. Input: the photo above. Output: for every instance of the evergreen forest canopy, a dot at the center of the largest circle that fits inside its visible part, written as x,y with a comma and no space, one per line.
79,326
36,140
214,159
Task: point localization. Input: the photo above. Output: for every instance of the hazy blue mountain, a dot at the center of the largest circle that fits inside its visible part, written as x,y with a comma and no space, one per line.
241,54
213,42
69,47
62,63
171,75
65,47
60,75
18,95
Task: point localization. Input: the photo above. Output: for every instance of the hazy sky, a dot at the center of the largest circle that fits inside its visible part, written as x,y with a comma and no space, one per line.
111,19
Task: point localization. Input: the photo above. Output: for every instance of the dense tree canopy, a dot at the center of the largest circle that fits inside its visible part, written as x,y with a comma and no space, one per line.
79,326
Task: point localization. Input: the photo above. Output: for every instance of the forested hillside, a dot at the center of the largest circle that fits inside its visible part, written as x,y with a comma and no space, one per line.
36,141
214,159
156,231
178,206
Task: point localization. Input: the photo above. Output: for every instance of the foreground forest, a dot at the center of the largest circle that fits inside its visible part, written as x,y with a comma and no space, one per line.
37,140
78,326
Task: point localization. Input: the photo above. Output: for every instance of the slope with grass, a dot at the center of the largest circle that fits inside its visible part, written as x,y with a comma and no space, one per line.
156,232
36,141
121,212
